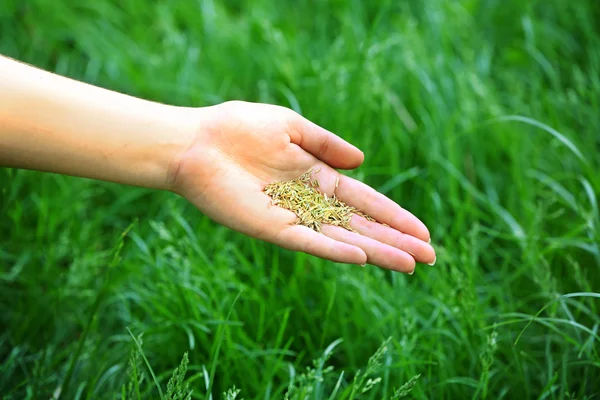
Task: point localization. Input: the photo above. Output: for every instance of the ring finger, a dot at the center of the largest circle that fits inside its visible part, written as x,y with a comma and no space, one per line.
421,251
378,253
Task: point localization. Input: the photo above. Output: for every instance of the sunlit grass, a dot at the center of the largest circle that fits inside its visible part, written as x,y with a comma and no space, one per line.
479,117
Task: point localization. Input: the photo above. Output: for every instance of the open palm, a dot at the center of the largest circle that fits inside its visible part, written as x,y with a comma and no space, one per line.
241,147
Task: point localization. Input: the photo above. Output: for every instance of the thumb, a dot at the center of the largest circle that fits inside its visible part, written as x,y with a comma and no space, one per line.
326,146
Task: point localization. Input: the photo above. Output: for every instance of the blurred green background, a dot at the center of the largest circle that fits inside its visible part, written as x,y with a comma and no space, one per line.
482,117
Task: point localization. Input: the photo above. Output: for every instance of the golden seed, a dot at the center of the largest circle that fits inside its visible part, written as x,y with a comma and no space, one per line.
312,207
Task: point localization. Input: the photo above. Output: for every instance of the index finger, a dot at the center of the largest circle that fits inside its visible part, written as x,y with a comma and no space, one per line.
324,145
371,202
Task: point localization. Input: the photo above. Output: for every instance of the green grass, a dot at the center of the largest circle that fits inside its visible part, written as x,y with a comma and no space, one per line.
481,117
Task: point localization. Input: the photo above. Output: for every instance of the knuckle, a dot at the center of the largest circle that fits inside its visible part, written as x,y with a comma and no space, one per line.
324,145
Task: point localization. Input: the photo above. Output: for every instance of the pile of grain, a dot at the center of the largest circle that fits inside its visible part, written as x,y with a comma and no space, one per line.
312,207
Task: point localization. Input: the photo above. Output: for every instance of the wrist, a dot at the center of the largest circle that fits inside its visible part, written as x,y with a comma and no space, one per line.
182,127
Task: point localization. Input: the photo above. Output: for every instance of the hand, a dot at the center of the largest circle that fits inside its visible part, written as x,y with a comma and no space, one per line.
220,158
241,147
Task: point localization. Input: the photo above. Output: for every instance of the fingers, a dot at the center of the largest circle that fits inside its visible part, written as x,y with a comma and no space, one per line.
325,145
384,210
301,238
380,254
421,251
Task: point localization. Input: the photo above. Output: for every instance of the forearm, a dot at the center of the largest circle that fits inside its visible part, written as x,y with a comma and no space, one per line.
55,124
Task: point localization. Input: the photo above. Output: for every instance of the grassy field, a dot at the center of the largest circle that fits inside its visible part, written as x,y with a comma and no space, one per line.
482,117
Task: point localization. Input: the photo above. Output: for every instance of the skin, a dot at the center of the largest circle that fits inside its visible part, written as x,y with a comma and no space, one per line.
220,158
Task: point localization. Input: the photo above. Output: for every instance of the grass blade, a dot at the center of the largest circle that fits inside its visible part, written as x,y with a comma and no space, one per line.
565,296
215,359
562,138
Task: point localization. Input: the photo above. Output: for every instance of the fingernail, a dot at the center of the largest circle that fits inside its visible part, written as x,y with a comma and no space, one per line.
412,272
430,240
363,265
433,263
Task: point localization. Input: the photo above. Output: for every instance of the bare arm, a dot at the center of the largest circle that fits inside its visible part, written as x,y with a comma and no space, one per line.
220,158
55,124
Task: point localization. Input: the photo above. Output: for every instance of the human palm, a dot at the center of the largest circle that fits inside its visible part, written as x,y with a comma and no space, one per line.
241,147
